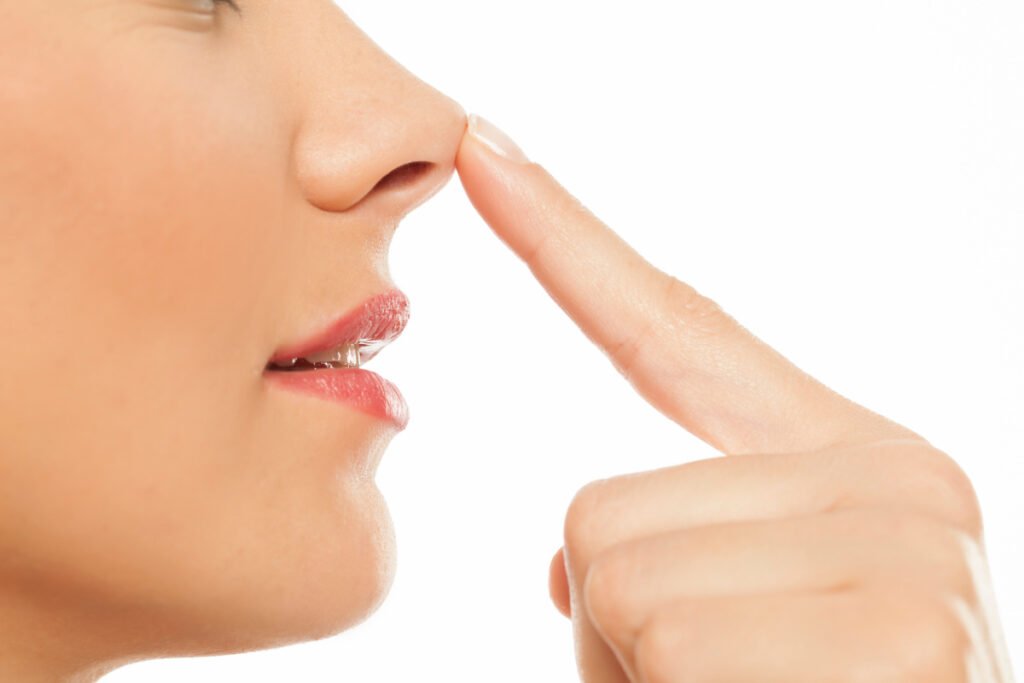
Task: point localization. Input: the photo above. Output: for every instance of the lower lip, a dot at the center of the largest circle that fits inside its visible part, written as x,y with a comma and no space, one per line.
363,390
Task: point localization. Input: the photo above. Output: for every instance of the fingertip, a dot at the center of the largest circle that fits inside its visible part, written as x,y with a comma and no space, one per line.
487,154
494,139
499,189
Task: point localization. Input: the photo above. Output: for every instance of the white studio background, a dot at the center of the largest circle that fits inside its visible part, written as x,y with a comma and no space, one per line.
845,178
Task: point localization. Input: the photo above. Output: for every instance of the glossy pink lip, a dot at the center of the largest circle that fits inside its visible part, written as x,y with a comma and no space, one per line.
373,325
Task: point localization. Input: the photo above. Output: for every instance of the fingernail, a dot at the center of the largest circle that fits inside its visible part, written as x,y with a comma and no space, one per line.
492,136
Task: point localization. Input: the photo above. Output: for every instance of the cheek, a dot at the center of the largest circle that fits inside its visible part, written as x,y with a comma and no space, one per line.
146,226
133,264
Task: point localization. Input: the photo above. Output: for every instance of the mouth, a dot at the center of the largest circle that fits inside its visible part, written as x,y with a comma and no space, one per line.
327,363
351,340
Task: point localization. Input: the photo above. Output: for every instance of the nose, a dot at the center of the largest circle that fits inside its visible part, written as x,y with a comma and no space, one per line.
372,134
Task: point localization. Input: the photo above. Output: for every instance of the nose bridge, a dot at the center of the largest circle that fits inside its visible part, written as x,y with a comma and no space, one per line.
369,129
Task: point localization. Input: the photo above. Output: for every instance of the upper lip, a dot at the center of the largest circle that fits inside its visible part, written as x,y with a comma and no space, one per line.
372,325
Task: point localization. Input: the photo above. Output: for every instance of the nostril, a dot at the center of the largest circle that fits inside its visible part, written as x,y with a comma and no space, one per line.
405,174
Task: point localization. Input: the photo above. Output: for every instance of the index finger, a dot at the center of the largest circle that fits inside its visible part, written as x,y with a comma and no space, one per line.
678,348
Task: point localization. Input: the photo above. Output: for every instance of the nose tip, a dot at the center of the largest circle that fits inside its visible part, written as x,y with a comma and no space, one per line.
393,156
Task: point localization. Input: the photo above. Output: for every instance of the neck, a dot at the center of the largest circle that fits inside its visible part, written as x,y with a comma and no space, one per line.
51,640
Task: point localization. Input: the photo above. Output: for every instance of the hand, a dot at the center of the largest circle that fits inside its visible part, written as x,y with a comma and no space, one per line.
832,544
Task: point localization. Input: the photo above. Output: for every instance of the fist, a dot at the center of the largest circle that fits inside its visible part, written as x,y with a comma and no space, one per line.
858,562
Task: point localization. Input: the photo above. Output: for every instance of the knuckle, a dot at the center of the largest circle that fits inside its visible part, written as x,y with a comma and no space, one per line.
917,637
533,251
941,553
934,643
965,508
688,314
964,564
938,476
950,561
583,521
700,314
606,595
663,650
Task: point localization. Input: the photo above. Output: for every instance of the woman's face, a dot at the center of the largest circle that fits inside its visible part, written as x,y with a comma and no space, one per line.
184,190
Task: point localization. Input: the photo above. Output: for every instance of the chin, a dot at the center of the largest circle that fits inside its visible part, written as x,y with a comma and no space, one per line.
306,581
337,580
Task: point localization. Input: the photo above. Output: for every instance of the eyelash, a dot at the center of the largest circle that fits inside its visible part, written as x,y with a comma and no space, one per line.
230,3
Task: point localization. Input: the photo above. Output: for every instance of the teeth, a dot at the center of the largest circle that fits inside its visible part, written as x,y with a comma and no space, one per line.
346,355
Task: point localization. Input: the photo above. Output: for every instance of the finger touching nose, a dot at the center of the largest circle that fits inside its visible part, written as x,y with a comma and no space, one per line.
370,130
678,348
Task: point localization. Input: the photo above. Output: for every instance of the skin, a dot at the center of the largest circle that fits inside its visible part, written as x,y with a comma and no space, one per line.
830,544
183,186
